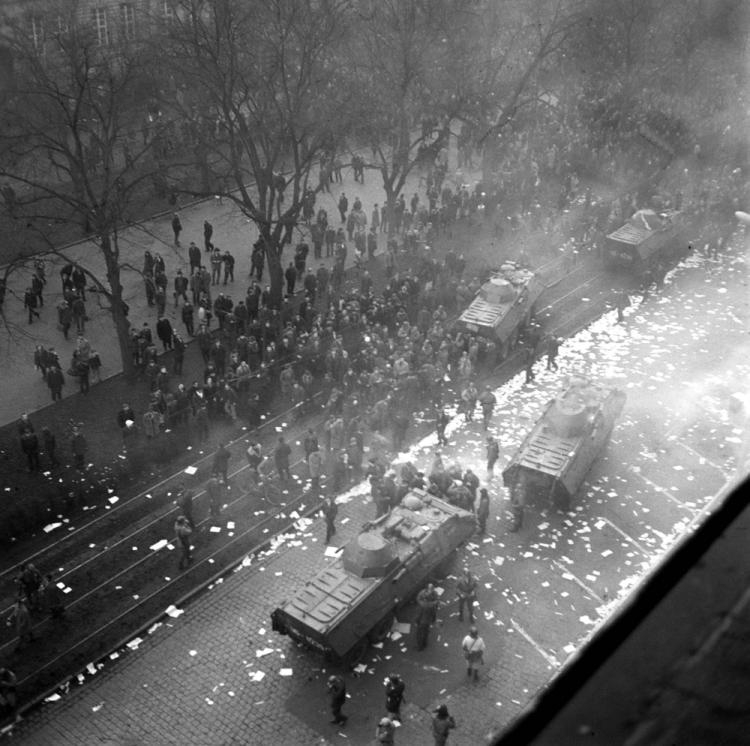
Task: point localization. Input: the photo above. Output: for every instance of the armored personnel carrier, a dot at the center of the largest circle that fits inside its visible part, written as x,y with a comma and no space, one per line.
554,458
352,602
647,239
503,306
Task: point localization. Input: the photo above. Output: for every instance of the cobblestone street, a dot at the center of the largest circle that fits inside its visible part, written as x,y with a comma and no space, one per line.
216,674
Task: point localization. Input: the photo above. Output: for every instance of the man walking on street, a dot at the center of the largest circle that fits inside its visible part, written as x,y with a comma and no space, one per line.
493,453
473,648
182,532
483,510
176,228
553,347
281,457
330,511
466,589
442,724
427,601
442,422
221,462
394,695
336,689
487,401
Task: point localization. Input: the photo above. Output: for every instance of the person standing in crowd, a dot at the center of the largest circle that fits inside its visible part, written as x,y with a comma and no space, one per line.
343,206
21,619
442,724
330,511
281,458
194,257
164,332
183,531
394,695
188,318
228,260
441,423
79,446
221,462
176,228
49,444
52,598
181,286
208,232
473,648
185,503
553,347
483,510
466,590
336,689
214,490
493,453
30,447
30,303
487,402
427,601
290,274
315,465
254,459
622,301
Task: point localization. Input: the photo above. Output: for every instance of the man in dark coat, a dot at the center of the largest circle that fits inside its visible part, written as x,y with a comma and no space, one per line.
281,458
30,446
164,332
30,303
188,318
181,286
208,232
55,381
194,256
221,462
176,228
179,354
330,511
336,689
291,278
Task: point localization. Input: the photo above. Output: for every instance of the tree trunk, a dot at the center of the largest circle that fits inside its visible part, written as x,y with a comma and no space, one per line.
117,309
275,272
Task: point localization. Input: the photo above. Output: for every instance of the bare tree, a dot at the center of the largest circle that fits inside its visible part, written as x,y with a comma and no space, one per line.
403,60
66,149
261,80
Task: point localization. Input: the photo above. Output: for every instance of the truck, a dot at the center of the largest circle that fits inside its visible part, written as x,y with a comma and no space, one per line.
555,456
503,307
646,240
353,601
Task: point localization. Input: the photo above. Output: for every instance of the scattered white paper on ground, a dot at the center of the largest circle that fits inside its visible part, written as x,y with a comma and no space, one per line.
134,643
257,676
173,611
215,529
190,470
332,551
51,527
264,651
286,672
159,545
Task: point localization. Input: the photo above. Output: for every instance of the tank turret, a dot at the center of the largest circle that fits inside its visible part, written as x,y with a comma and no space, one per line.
369,555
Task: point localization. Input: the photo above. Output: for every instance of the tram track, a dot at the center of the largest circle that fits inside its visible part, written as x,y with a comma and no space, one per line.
114,607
